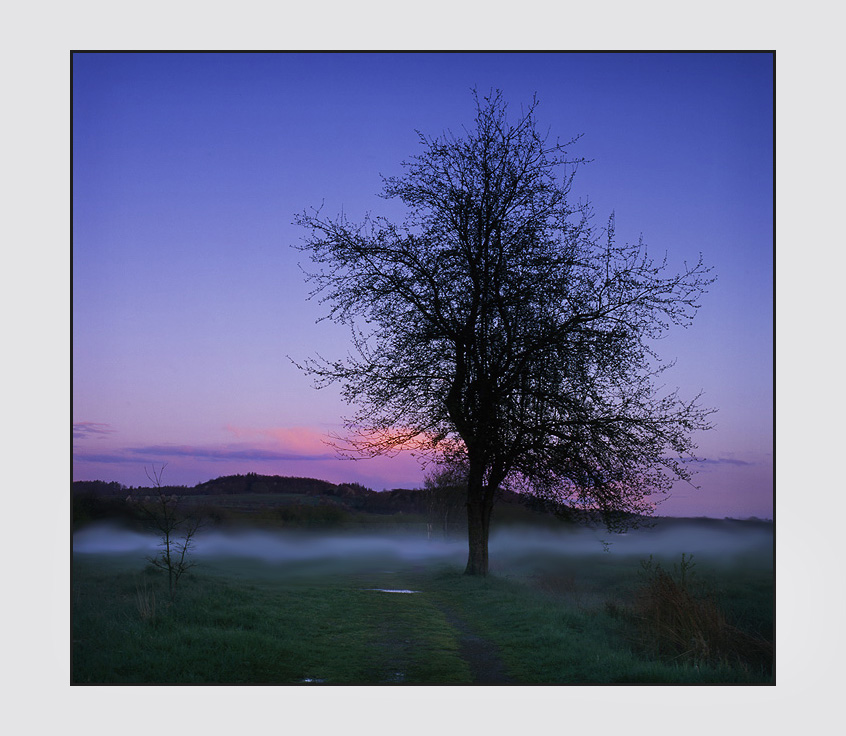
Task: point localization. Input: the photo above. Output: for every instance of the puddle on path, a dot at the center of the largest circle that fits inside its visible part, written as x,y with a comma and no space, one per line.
387,590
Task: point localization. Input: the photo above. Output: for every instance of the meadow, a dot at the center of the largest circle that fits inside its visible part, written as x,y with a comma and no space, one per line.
689,602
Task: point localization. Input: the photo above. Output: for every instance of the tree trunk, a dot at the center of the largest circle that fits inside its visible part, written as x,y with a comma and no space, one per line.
479,507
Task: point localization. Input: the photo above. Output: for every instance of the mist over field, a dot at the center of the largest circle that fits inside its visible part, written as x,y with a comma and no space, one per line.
553,589
718,540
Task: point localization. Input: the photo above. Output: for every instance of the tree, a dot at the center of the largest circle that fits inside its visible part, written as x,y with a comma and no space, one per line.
443,488
175,527
499,326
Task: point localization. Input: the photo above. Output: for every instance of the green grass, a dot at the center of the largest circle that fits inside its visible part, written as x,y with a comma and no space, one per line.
251,622
226,627
545,638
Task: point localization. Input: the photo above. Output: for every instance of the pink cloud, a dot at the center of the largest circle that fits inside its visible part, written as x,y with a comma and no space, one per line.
292,440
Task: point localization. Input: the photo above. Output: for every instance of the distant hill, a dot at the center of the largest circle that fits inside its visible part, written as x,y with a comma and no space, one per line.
254,483
352,496
232,484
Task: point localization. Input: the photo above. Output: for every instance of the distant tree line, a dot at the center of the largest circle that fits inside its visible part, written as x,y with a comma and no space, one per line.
97,488
438,502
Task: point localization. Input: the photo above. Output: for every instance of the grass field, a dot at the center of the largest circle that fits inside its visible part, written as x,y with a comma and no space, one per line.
592,617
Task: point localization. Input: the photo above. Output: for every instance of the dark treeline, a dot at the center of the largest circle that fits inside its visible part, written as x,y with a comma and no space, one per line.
255,498
101,499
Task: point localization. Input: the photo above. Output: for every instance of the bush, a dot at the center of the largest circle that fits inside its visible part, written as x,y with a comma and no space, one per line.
679,620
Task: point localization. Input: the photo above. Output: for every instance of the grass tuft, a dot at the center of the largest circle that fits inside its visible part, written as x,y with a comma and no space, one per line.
145,599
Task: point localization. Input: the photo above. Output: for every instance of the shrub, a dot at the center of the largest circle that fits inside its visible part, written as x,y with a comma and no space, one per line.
679,620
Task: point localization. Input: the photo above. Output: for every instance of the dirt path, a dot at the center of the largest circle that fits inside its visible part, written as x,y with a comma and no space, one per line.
482,656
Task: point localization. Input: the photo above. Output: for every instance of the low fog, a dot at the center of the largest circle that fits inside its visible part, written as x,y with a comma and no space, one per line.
707,539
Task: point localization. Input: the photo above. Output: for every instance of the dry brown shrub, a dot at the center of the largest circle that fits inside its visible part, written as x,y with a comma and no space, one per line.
677,622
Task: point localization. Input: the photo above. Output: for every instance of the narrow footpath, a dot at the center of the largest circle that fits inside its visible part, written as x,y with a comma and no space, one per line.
481,655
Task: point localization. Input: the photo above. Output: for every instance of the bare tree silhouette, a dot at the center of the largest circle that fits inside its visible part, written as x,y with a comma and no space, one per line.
497,324
175,526
444,487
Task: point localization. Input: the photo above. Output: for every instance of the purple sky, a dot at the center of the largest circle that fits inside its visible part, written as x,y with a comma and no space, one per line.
187,297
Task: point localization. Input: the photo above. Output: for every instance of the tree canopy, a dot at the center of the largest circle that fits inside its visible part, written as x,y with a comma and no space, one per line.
498,327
